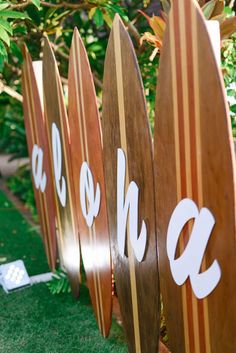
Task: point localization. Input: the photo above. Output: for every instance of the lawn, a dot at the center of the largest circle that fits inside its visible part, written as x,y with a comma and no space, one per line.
32,320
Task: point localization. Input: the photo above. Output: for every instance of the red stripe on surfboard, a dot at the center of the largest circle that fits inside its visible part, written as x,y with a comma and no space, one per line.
178,56
193,149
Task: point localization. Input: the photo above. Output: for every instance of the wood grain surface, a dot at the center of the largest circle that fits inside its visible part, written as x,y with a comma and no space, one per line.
36,135
67,220
194,159
86,146
125,126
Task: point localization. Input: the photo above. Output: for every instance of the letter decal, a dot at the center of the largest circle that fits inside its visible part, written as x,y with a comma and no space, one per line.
129,205
189,263
40,178
57,164
90,203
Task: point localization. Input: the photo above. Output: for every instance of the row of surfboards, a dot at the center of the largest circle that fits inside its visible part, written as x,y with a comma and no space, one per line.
101,192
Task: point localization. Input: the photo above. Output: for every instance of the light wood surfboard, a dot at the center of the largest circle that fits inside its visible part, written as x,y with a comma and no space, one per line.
36,135
57,124
194,159
85,137
125,126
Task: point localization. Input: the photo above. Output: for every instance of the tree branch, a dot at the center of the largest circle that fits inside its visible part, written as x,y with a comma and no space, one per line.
20,6
85,5
63,55
133,30
11,92
82,6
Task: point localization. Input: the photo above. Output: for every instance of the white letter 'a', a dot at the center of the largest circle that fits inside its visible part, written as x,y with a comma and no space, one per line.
189,263
129,205
57,164
40,178
91,210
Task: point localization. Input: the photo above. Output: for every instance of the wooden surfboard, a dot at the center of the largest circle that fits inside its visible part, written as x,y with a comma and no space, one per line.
128,164
194,160
36,139
86,151
58,136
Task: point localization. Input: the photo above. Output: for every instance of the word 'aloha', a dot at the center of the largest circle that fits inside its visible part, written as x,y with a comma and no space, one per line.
187,265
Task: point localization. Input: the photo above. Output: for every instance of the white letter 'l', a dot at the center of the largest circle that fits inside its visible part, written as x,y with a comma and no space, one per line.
57,164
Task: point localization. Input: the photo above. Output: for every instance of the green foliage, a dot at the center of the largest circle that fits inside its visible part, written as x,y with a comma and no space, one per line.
59,283
12,131
9,19
21,185
149,70
229,69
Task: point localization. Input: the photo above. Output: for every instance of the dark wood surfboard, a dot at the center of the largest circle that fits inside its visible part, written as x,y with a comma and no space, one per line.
194,159
36,135
85,138
125,126
57,124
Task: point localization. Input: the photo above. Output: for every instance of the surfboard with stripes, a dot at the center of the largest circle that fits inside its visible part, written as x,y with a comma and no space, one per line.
59,138
38,144
128,167
194,160
86,152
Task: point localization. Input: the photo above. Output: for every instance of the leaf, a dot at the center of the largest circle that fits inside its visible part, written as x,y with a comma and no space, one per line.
112,9
208,8
233,108
6,25
16,51
14,14
3,51
4,36
231,92
220,18
61,15
36,3
158,25
92,12
108,19
98,18
219,8
3,6
228,27
166,6
34,15
49,13
228,10
3,55
59,283
20,29
149,37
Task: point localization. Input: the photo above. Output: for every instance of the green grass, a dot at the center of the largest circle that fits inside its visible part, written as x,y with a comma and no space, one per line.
32,320
19,240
